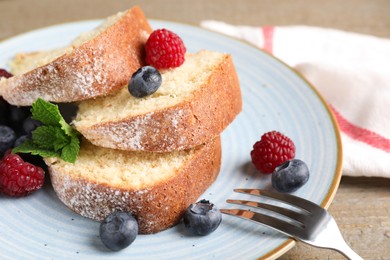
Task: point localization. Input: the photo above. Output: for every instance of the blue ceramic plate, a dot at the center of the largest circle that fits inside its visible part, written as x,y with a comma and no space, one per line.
274,97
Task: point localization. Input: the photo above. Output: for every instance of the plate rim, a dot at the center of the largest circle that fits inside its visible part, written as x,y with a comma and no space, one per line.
326,202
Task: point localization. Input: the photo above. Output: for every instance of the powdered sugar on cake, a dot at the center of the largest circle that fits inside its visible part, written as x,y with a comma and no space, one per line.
95,201
157,203
99,64
142,131
80,76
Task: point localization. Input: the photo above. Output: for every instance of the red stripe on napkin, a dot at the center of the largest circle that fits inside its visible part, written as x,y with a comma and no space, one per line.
361,134
268,34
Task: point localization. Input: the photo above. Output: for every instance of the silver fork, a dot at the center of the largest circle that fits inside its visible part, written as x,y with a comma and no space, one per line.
310,224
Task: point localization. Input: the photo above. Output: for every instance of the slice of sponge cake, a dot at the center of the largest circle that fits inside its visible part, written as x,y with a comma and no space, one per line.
194,104
155,187
97,63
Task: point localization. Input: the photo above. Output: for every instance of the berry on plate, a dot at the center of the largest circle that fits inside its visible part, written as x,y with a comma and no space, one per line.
16,117
4,73
30,125
272,150
118,230
4,107
7,138
19,178
145,81
164,49
290,176
202,218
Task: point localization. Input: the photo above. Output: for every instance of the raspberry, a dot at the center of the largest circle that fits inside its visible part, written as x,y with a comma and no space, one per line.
5,74
164,49
19,178
272,150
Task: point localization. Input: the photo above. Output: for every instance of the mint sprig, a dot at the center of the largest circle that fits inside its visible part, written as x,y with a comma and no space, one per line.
55,138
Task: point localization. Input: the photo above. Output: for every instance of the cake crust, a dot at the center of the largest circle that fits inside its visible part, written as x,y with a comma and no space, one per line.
156,207
97,67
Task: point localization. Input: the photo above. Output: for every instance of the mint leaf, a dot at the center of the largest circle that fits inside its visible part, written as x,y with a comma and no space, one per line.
70,152
55,138
48,137
29,147
46,112
61,141
67,128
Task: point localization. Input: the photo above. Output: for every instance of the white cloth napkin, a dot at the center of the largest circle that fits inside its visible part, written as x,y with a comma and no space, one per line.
350,70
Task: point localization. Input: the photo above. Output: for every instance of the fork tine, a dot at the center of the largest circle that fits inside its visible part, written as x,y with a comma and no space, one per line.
286,198
272,222
299,217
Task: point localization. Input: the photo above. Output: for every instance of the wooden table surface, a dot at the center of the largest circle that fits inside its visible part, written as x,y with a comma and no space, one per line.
362,205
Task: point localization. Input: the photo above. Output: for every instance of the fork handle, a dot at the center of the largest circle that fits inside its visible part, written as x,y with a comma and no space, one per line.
347,251
336,241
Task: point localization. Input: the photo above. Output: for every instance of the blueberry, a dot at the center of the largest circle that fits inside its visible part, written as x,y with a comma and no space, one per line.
118,230
290,176
30,125
202,218
145,81
16,117
7,138
21,140
4,106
